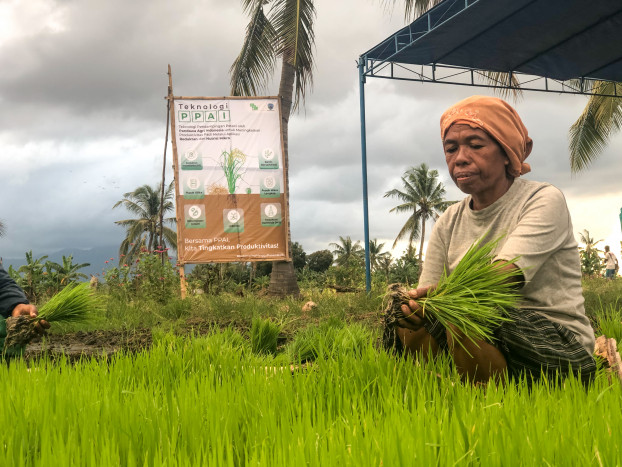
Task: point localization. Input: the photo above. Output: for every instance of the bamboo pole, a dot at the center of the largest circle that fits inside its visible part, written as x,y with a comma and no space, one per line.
171,99
168,116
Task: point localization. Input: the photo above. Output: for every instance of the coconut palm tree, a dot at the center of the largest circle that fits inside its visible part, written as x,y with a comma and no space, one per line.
384,265
144,230
588,241
376,254
347,251
422,197
284,33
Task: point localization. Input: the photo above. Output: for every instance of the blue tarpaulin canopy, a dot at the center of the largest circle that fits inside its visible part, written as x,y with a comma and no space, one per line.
562,46
559,39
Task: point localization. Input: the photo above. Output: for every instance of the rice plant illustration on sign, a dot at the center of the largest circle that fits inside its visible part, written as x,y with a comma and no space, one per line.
232,163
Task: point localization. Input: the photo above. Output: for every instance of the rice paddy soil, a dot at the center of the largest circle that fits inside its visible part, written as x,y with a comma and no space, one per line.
104,343
76,345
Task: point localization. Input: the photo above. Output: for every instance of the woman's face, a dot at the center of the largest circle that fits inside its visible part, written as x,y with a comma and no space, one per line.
477,164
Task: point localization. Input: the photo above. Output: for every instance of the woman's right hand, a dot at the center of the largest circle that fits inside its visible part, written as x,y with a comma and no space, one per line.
412,311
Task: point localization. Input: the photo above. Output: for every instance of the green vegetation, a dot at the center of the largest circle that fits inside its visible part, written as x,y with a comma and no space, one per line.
591,261
75,304
243,379
212,401
40,279
264,336
285,33
347,251
143,233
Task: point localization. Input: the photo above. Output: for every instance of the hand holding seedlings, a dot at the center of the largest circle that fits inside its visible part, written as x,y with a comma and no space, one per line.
411,310
73,304
26,309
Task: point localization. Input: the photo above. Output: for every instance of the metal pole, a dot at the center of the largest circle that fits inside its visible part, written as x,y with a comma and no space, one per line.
364,166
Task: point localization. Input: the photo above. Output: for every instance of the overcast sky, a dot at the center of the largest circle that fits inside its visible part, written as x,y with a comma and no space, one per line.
82,121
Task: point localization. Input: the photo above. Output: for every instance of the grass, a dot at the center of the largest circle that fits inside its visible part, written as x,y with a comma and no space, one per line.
211,401
601,293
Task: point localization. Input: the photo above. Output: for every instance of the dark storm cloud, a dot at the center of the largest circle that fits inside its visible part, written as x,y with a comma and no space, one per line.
108,60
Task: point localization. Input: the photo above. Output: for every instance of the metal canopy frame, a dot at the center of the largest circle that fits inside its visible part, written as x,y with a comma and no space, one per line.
399,58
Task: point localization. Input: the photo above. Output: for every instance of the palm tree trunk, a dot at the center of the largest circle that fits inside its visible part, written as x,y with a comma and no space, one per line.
283,277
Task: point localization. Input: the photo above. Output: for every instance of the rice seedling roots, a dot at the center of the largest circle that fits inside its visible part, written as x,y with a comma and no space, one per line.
20,330
394,299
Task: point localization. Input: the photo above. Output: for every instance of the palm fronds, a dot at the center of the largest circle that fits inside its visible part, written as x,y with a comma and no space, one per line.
600,119
145,229
293,22
252,68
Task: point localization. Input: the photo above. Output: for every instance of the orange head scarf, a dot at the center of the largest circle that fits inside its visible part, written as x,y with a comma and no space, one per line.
497,118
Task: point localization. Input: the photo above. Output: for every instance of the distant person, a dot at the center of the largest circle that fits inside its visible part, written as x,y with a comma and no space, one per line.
13,302
611,264
485,145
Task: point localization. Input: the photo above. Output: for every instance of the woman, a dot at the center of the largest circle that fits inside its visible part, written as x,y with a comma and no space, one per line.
485,145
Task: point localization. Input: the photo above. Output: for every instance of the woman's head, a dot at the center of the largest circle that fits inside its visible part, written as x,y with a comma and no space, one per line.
500,121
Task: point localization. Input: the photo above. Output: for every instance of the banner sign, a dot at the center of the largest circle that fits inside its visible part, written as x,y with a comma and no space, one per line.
230,180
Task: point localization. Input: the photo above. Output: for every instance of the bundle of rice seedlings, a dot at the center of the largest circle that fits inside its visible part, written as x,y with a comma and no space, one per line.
74,304
264,336
474,298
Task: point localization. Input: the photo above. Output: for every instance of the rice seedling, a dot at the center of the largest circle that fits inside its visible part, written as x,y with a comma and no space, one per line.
264,336
232,163
328,341
472,300
609,322
74,304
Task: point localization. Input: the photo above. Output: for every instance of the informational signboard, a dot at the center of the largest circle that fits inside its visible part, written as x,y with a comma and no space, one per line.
230,180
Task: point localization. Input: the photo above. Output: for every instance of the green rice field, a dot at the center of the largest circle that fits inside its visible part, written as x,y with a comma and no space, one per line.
212,401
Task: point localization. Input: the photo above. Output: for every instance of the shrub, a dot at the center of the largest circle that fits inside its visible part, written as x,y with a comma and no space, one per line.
320,261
